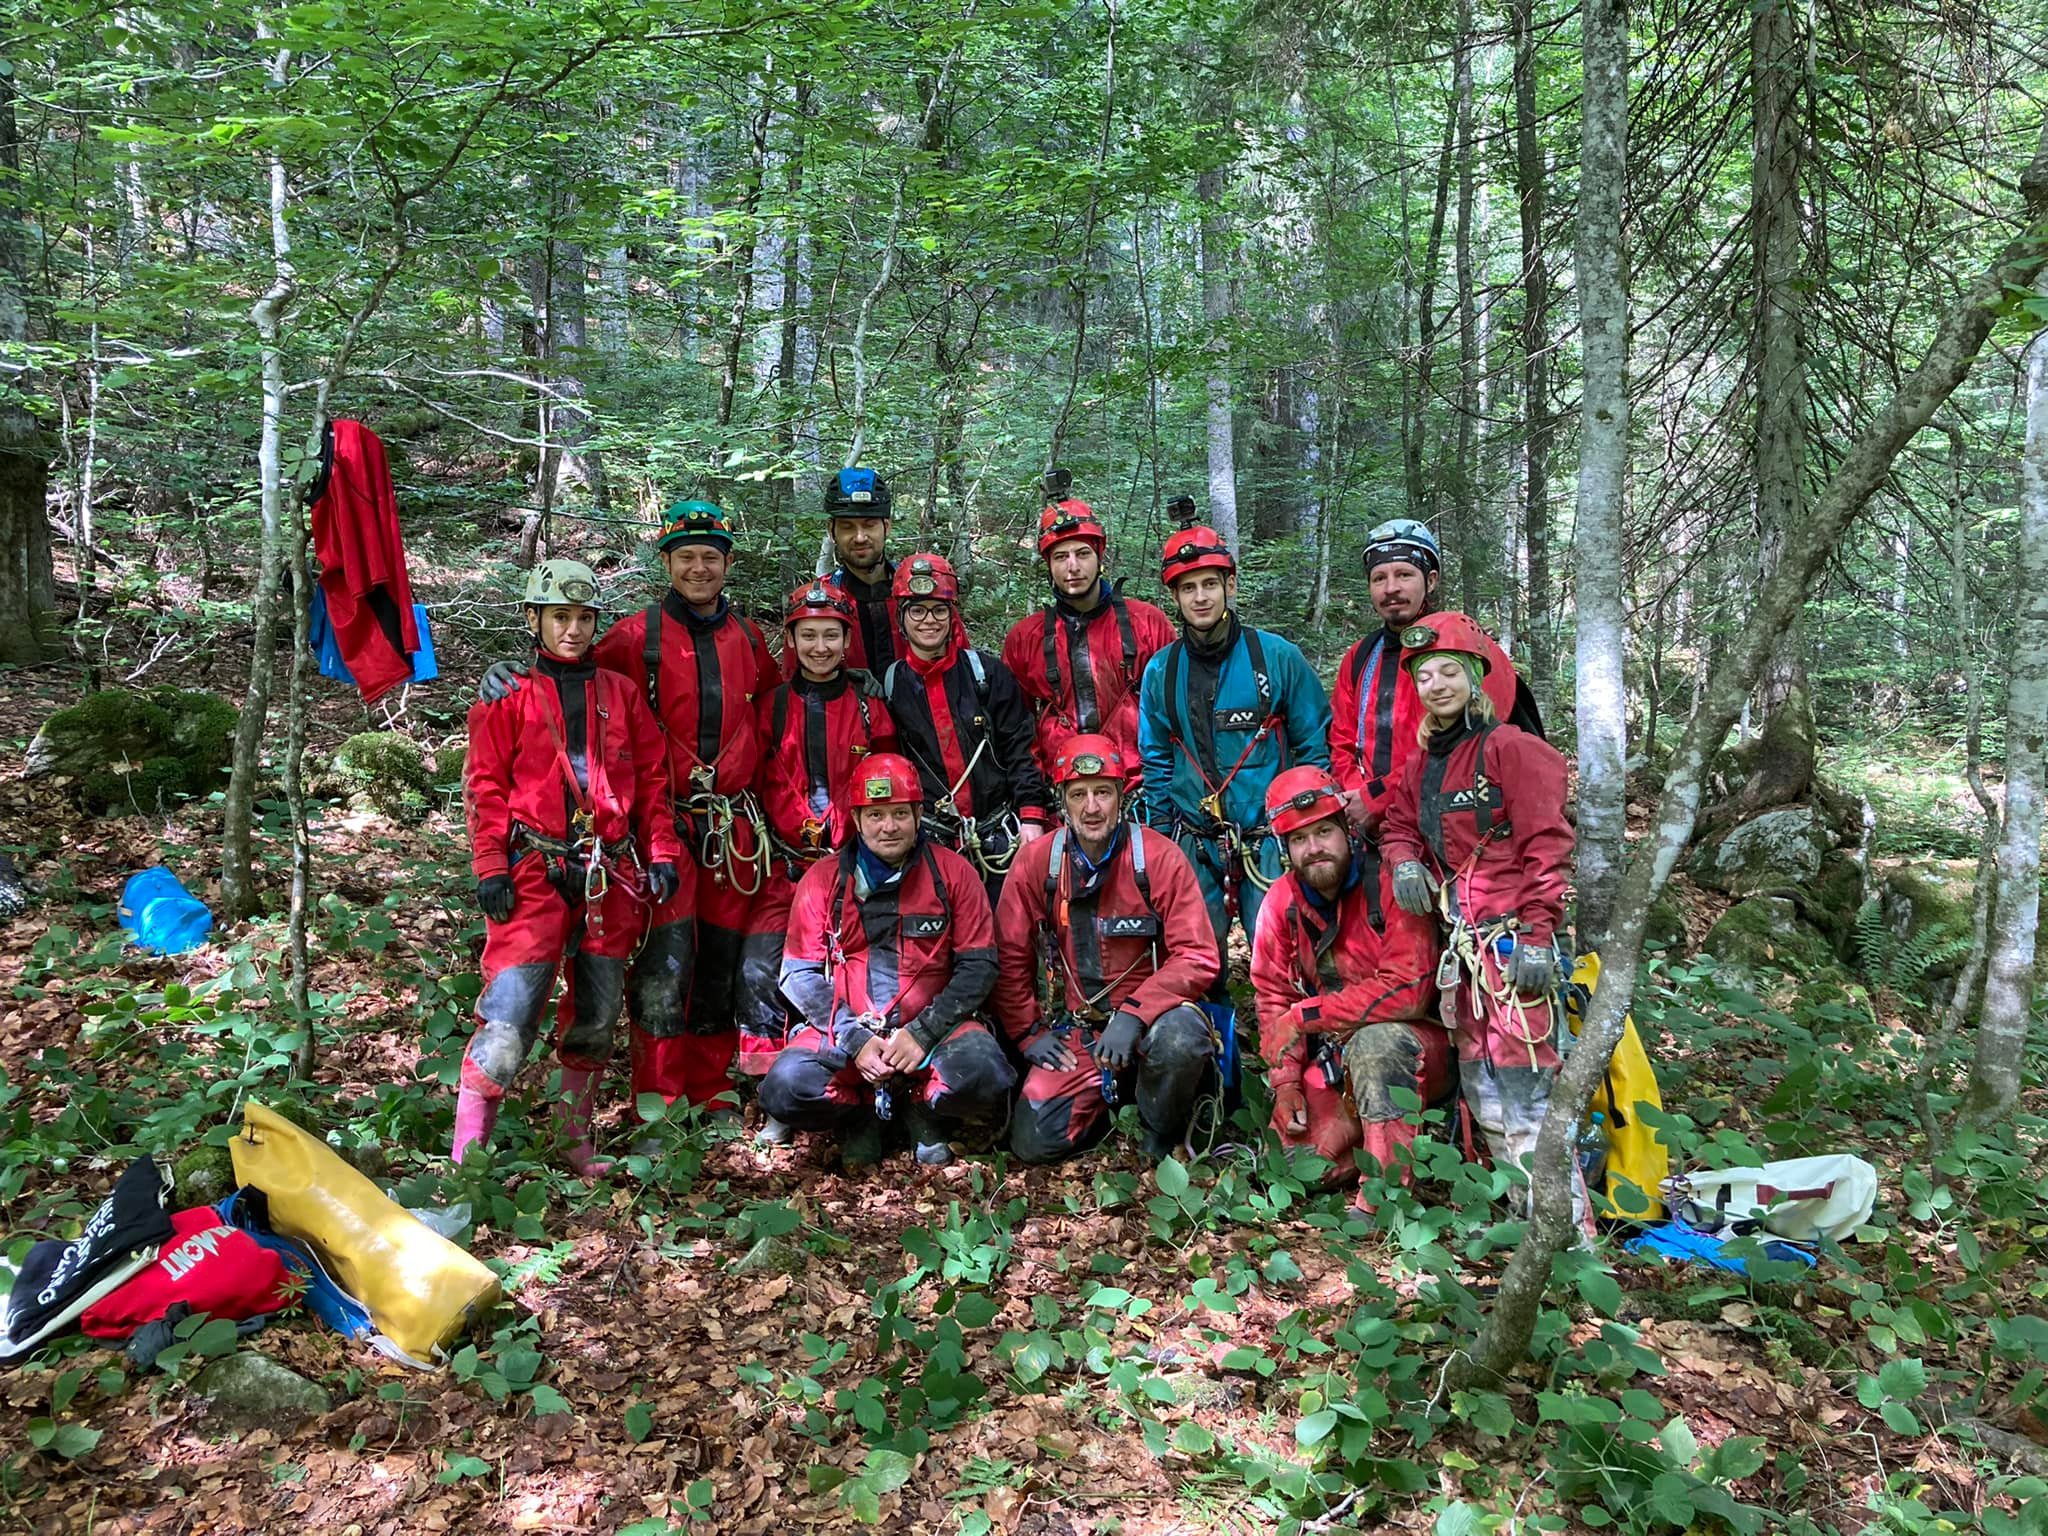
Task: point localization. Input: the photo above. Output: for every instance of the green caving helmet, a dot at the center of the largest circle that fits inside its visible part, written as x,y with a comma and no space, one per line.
558,582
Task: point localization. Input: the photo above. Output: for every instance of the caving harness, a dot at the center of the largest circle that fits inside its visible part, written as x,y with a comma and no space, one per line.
989,843
1239,845
723,831
1475,947
882,1023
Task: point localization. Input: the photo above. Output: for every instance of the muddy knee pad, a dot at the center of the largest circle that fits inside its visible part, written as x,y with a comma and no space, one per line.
798,1090
495,1054
597,997
1058,1114
1173,1058
760,1006
971,1080
714,986
1378,1059
658,990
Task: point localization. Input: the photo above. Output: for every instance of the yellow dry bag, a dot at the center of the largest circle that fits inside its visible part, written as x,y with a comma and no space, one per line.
1637,1162
421,1289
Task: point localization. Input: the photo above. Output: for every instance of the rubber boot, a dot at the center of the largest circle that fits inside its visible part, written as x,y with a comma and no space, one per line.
572,1123
475,1116
860,1141
773,1132
927,1133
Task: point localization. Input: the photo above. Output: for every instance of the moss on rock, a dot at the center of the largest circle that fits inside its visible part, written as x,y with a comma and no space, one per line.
137,751
386,772
1664,928
1765,933
1778,848
205,1176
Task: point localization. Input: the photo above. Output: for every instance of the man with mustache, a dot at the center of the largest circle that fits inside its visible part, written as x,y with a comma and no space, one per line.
1374,713
1345,980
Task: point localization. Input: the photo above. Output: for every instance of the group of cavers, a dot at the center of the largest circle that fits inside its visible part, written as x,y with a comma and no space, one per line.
987,897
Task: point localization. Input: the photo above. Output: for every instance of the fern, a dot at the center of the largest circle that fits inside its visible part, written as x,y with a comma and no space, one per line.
545,1266
1902,965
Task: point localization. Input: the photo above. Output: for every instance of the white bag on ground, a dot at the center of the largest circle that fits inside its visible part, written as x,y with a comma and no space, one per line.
1802,1199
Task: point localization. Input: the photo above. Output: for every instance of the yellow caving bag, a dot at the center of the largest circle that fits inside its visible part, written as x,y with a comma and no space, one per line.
1637,1162
421,1289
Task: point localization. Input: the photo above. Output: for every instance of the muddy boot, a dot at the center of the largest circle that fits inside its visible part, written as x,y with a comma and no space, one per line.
927,1134
573,1113
860,1143
773,1133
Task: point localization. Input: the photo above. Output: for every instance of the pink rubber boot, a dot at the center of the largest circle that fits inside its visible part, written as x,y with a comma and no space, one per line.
475,1116
572,1123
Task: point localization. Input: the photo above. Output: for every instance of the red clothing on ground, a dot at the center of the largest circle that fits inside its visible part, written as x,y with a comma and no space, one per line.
1108,703
1112,942
1369,752
362,560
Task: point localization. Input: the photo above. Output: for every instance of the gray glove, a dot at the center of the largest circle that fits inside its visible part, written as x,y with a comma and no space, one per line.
494,897
1532,968
1118,1039
1415,888
500,681
1046,1049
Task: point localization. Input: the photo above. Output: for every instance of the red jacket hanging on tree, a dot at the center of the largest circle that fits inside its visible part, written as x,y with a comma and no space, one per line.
1081,671
813,736
362,560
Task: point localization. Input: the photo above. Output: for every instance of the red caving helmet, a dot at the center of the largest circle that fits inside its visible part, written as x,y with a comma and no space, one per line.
928,578
1452,632
818,600
1194,549
1069,519
1301,797
1088,757
886,778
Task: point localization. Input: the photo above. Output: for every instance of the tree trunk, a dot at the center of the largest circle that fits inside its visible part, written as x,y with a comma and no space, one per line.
1465,543
742,250
1210,187
1778,73
2009,980
1603,470
27,584
1504,1339
237,867
1421,498
1529,189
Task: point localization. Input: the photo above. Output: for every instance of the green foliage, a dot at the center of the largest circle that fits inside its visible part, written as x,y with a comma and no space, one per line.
388,772
138,753
1904,964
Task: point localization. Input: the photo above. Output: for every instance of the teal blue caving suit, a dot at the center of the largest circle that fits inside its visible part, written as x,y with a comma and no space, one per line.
1215,724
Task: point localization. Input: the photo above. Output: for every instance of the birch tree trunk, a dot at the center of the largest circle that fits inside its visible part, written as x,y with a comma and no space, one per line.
1503,1340
1529,188
1465,542
1216,311
1603,469
237,871
2009,979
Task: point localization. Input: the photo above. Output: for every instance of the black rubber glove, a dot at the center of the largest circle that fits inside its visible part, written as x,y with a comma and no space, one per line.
1046,1049
1119,1038
1414,888
494,897
661,882
500,681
